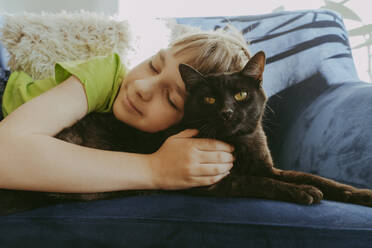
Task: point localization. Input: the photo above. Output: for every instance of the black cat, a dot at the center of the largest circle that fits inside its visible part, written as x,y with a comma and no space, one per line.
228,107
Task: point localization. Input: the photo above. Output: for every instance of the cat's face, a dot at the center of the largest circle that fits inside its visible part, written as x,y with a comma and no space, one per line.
225,104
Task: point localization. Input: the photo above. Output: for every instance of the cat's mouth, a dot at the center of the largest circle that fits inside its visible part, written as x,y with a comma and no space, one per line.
214,128
229,127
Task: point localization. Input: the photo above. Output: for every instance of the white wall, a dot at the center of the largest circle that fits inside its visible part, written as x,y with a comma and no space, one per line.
143,9
109,7
174,8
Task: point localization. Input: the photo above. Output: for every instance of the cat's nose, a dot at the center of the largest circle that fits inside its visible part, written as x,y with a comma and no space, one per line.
226,114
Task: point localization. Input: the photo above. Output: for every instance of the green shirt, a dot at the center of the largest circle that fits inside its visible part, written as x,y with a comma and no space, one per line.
101,77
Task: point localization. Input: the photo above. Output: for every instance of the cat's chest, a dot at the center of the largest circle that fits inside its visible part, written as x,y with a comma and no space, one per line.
250,155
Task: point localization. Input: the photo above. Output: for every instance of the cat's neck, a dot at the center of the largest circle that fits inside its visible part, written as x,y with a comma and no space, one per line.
243,136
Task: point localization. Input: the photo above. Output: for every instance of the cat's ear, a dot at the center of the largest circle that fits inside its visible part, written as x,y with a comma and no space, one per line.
190,76
255,67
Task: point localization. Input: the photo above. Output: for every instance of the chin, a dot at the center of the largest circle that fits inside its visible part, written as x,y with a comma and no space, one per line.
148,130
230,128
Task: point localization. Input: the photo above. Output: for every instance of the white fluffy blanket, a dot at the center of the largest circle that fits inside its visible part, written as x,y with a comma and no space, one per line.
36,42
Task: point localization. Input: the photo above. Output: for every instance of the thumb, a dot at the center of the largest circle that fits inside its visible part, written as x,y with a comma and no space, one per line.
188,133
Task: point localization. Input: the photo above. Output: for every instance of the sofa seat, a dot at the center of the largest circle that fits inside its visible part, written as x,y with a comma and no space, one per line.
173,220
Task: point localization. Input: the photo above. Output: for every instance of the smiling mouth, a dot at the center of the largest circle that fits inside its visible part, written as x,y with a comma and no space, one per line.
131,106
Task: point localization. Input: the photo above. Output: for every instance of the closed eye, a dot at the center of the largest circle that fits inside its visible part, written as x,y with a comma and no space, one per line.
171,103
152,67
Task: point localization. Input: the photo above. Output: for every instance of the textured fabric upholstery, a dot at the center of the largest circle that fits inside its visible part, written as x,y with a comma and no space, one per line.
318,122
182,221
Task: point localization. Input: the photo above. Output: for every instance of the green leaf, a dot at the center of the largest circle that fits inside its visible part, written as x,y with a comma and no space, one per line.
363,30
280,8
367,43
345,12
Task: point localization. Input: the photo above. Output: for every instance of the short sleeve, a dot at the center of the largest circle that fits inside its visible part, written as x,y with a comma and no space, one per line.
100,76
21,88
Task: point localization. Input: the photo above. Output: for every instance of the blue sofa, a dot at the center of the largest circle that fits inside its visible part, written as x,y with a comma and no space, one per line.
319,121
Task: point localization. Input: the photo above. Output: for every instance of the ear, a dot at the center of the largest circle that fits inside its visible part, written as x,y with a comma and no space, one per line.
255,67
190,76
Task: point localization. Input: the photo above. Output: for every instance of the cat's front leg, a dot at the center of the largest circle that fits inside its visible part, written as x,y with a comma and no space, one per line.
262,187
331,189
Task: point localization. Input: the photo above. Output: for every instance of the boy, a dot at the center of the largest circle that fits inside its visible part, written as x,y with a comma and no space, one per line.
149,97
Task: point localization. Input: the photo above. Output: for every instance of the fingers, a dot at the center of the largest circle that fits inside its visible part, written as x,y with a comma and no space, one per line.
188,133
205,144
213,170
209,180
212,145
212,157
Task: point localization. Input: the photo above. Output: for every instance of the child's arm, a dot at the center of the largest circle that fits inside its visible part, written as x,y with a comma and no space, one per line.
32,159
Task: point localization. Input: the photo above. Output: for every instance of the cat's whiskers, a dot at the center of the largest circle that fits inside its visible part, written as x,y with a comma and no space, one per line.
268,124
207,131
212,133
203,129
269,108
198,123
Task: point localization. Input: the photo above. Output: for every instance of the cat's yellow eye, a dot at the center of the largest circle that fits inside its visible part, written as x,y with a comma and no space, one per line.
241,96
209,100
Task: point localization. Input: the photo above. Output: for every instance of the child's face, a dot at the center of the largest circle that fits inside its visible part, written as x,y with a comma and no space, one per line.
152,95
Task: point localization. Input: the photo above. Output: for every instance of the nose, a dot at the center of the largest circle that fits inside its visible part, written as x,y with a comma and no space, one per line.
144,89
226,114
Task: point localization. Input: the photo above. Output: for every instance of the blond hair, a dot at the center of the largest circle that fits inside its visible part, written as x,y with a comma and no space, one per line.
210,52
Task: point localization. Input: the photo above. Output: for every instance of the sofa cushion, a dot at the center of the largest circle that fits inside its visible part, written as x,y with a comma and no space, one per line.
185,221
332,137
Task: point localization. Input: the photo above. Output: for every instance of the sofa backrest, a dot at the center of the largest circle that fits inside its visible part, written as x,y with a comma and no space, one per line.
298,45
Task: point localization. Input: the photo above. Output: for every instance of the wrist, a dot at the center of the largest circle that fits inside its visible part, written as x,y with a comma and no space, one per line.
152,165
136,172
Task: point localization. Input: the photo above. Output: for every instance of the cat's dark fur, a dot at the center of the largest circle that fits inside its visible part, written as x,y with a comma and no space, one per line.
237,122
240,123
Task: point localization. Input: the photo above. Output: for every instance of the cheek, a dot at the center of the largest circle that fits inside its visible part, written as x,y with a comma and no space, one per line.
160,117
137,72
121,92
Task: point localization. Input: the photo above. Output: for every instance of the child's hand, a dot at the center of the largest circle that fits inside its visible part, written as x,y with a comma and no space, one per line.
183,162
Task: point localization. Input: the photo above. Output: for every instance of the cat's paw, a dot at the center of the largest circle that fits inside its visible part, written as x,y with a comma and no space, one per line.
359,196
306,194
